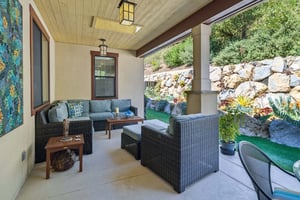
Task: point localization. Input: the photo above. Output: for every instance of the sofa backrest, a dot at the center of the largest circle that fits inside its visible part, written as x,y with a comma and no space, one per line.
122,104
183,125
100,106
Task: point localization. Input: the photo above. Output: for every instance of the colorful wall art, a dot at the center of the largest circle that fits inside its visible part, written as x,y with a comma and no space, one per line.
11,66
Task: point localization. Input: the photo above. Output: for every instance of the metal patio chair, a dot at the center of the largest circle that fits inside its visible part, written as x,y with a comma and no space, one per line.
258,166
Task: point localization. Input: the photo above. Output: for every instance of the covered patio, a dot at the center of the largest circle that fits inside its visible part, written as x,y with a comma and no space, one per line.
112,173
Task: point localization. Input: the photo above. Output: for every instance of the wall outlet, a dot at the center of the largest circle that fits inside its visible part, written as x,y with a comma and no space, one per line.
23,155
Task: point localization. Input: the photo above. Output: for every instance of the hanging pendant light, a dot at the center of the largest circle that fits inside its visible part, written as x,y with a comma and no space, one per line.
126,12
103,47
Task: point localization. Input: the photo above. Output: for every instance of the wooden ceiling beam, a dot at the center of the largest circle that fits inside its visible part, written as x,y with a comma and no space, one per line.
204,14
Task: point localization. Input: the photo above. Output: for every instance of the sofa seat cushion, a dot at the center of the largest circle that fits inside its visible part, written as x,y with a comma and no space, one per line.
58,113
98,106
78,119
133,131
100,116
122,104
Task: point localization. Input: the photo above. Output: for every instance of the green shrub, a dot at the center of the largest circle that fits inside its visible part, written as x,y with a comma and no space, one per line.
179,54
155,65
171,57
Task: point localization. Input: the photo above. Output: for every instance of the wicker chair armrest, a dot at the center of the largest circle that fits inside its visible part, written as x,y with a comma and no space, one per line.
134,110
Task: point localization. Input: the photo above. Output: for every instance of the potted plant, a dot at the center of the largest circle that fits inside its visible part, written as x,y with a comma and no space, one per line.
228,130
229,123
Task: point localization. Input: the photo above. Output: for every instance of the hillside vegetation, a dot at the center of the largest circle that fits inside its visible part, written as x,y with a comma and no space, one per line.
268,30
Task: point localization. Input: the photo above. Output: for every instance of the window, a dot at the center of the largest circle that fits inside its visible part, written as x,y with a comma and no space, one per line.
104,75
39,61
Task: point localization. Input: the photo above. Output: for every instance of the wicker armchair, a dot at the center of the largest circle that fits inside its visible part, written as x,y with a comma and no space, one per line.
186,152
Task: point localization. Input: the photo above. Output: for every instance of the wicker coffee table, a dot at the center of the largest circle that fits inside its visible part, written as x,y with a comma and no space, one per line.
112,121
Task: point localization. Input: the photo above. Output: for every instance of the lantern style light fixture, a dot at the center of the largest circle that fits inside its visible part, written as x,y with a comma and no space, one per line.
102,47
126,12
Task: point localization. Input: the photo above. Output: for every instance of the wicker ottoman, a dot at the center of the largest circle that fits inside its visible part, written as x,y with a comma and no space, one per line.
131,136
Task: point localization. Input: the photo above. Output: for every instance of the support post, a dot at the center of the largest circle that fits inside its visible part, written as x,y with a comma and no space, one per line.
201,99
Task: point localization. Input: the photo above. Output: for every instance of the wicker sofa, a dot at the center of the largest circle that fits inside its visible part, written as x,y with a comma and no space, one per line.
48,122
186,152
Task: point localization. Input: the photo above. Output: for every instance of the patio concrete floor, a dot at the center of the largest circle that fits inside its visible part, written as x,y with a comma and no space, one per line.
112,173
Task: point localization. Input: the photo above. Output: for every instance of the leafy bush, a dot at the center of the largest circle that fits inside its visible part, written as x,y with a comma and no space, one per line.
179,54
266,31
155,65
171,56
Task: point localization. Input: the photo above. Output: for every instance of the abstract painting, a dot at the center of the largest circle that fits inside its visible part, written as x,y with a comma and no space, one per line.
11,66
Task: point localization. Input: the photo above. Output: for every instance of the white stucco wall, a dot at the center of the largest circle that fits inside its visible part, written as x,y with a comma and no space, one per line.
13,171
73,74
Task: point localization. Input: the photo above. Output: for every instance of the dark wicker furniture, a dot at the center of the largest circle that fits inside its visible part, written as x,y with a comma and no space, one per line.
257,164
131,136
132,145
44,130
186,155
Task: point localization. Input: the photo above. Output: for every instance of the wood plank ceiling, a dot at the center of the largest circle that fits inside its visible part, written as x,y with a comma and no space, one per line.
71,21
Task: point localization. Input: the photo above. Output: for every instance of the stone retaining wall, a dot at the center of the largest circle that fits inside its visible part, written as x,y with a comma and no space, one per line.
257,80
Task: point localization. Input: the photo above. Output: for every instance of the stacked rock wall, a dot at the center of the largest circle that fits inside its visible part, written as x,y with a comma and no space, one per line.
258,80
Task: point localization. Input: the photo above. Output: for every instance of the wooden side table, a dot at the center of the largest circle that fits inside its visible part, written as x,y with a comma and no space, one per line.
55,144
112,121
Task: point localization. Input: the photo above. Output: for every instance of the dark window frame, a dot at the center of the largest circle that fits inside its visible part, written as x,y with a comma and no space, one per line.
37,67
95,54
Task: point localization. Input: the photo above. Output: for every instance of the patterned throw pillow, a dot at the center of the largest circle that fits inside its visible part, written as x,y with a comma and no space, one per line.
75,110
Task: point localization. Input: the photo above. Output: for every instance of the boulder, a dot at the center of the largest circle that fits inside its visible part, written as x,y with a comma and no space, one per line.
283,132
260,73
232,81
215,73
215,86
227,70
295,93
225,94
169,83
278,65
253,127
294,80
237,68
296,64
279,83
251,89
